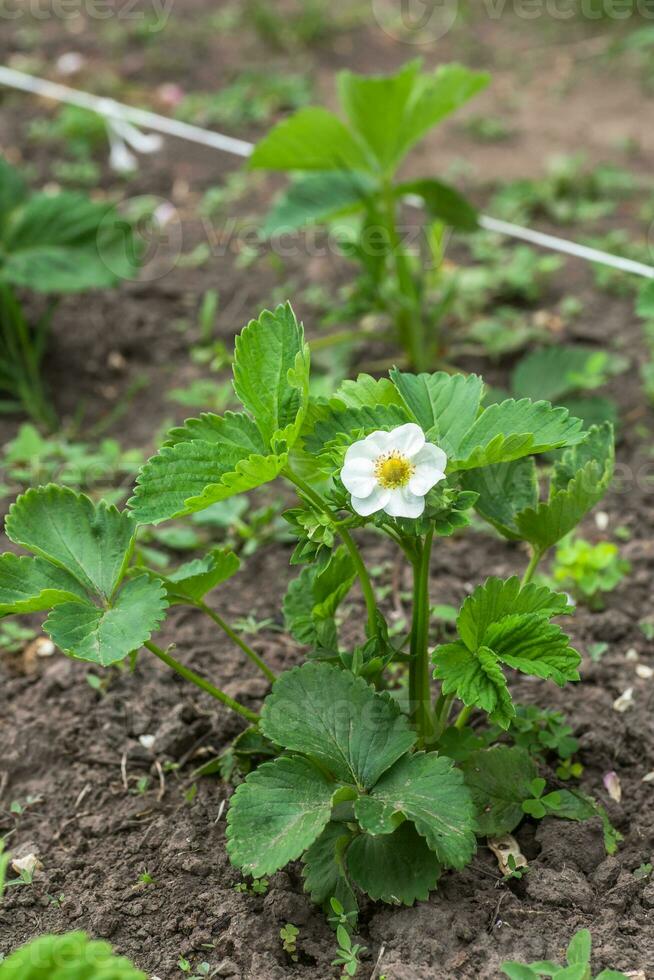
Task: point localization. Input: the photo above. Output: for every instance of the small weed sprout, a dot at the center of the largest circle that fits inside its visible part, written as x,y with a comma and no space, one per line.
578,965
288,935
587,570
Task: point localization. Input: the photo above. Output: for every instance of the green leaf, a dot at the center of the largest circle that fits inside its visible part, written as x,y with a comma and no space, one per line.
315,199
93,542
311,139
499,780
430,792
72,956
579,948
323,870
313,597
376,107
476,679
336,718
329,425
504,490
645,301
553,372
518,971
511,429
398,868
13,191
579,480
498,598
271,375
367,392
32,584
535,647
277,813
391,113
444,405
442,203
62,243
192,581
210,459
435,97
105,636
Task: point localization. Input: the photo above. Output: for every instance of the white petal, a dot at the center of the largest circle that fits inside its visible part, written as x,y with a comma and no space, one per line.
429,470
358,476
369,448
377,500
403,503
407,439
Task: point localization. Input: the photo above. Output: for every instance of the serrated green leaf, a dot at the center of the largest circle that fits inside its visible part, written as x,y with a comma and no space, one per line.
499,780
498,598
442,202
192,581
579,481
398,868
430,792
330,425
271,375
504,490
105,636
61,243
313,597
72,956
32,584
93,542
533,646
323,867
367,392
315,199
210,459
336,718
311,139
476,679
277,813
444,405
512,429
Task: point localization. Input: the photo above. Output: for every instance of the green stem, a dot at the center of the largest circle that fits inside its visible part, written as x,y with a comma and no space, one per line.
348,541
462,717
419,676
247,650
190,675
442,712
534,561
409,320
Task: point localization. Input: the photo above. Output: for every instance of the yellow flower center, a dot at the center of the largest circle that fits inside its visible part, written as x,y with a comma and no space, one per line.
392,470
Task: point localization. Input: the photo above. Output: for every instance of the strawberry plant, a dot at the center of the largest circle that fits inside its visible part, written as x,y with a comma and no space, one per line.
51,244
348,169
374,776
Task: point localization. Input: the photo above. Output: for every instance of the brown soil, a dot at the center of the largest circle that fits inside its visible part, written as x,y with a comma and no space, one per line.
78,754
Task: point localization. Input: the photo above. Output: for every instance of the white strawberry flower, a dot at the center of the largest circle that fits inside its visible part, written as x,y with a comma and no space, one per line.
392,471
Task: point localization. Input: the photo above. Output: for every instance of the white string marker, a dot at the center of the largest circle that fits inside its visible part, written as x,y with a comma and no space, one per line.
125,114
